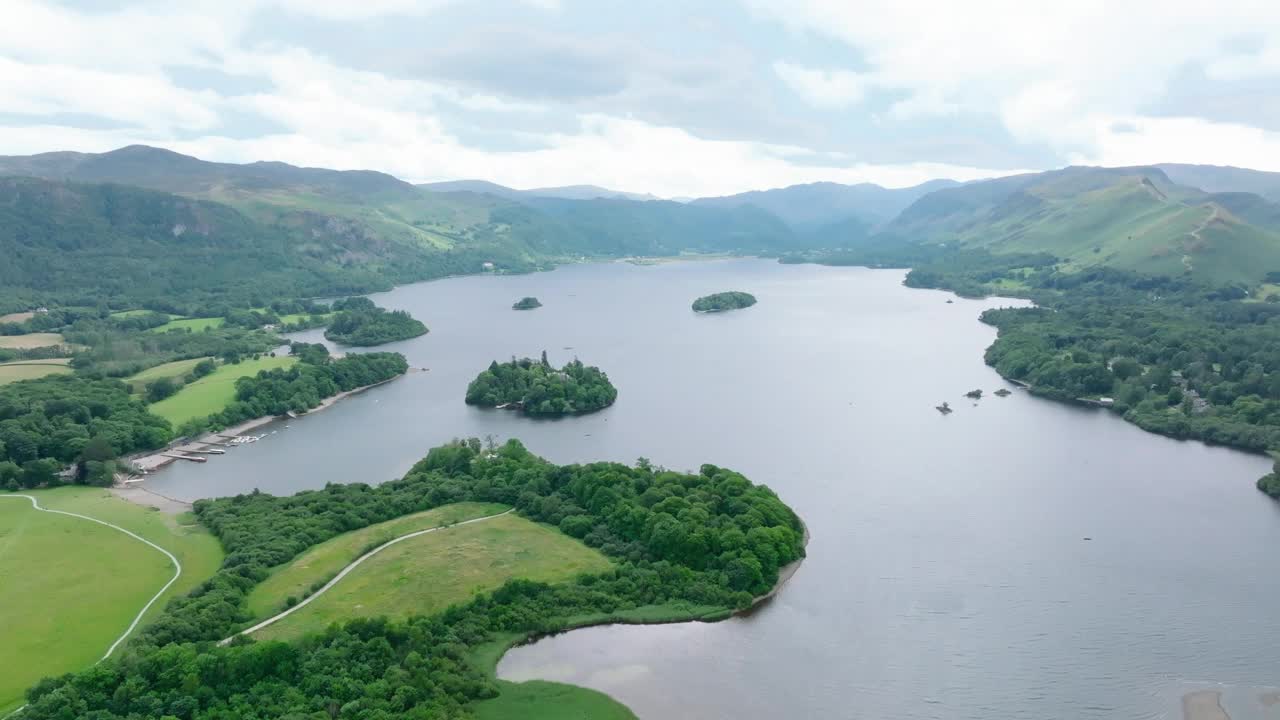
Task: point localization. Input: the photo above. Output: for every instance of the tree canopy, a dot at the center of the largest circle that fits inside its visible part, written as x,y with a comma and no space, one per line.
719,302
537,388
710,538
359,321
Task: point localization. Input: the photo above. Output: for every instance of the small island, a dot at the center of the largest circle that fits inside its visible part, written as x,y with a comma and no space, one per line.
722,301
357,321
536,388
974,394
526,303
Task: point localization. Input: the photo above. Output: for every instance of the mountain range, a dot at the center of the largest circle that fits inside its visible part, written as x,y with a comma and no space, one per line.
313,230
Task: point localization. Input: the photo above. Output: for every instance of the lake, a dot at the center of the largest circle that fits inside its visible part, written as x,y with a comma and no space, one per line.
1017,558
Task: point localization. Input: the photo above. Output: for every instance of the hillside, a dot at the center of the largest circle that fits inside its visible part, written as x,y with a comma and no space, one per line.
1128,218
85,243
661,227
360,230
567,192
830,208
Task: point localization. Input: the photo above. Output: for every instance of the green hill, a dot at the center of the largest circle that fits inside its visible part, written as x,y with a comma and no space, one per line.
222,228
833,211
1128,218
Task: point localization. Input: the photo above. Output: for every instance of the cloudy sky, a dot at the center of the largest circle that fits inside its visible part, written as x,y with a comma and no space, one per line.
675,98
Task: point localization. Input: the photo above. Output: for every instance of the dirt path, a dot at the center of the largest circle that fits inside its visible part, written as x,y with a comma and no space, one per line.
177,572
352,566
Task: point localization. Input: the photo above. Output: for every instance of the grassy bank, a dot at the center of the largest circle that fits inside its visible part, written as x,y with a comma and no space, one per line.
31,340
192,324
71,587
32,369
429,573
319,564
213,392
173,370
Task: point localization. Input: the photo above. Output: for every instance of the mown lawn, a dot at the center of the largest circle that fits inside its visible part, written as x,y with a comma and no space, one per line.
32,340
213,392
32,369
192,324
72,586
175,370
429,573
322,562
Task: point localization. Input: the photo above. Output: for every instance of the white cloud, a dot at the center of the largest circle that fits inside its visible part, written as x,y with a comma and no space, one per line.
1145,141
821,88
1044,69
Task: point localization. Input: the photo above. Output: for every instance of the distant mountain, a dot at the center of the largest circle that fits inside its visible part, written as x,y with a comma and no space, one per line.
1222,179
85,243
567,192
169,171
1132,218
483,187
324,231
823,206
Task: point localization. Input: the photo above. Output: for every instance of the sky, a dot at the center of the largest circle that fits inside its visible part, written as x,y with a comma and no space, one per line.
678,99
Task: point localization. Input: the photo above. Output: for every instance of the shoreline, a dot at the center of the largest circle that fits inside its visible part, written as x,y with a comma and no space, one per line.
152,461
785,573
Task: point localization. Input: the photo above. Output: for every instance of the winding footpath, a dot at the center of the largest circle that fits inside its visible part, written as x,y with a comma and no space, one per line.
177,572
354,564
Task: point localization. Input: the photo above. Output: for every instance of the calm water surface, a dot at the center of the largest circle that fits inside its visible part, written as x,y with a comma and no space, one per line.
948,573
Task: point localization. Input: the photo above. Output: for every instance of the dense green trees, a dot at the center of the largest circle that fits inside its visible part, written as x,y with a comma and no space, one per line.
61,420
710,538
718,302
359,322
539,389
302,387
526,303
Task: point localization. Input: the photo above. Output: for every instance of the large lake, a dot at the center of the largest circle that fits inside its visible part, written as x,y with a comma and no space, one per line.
1015,559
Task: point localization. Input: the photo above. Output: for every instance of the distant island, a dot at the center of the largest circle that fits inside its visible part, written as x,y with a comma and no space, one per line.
358,321
536,388
719,302
526,303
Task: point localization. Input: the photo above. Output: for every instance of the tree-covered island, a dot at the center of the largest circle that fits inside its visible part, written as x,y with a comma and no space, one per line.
526,303
719,302
358,321
537,388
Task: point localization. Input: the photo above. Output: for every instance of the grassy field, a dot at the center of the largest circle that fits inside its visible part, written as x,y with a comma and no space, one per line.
192,324
32,369
213,392
33,340
292,318
71,586
323,561
429,573
16,317
175,370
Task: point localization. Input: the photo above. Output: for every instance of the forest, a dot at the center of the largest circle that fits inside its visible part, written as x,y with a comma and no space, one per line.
536,388
358,321
711,538
303,386
719,302
60,420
